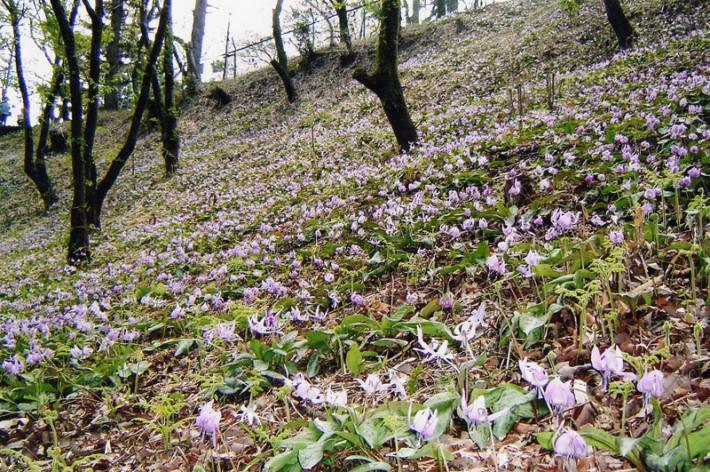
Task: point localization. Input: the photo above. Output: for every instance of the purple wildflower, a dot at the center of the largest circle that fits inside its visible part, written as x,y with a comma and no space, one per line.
208,421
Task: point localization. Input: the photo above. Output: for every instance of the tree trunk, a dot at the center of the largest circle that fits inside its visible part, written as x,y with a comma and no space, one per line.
416,7
35,169
341,9
8,71
452,6
117,164
171,138
78,249
622,28
66,109
165,107
439,8
291,93
281,63
278,39
92,113
113,55
199,18
384,81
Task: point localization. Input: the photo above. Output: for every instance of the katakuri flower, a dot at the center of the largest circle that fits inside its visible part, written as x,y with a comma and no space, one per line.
534,374
208,421
423,423
651,385
570,445
372,385
336,399
434,352
558,396
249,416
477,412
610,363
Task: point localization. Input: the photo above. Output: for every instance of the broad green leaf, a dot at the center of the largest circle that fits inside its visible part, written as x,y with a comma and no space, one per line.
311,455
353,360
545,439
184,347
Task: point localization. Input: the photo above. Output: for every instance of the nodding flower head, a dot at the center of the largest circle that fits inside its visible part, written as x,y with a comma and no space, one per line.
610,363
616,237
423,423
534,374
208,421
477,412
496,264
570,445
559,396
651,384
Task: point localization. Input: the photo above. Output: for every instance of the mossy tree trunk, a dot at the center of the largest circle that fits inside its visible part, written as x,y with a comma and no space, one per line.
96,15
383,79
439,8
622,28
341,9
78,249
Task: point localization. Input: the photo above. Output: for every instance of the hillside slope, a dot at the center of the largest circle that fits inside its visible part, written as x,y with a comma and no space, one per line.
296,253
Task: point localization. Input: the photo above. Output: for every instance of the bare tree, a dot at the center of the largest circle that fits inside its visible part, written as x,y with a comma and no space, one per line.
113,54
278,38
171,138
383,79
85,204
413,19
280,64
199,19
341,9
35,168
318,6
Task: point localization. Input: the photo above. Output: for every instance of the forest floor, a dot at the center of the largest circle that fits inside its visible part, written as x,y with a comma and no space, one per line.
335,299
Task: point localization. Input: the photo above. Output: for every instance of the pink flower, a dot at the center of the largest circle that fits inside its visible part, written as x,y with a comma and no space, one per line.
177,312
570,445
434,352
373,385
208,421
616,237
533,258
496,264
336,399
357,299
515,188
534,374
424,423
446,302
610,363
651,384
477,412
559,396
412,298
